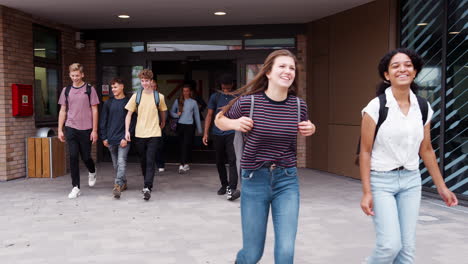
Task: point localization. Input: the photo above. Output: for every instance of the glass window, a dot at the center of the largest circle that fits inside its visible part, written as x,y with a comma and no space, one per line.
280,43
128,74
456,98
47,75
113,47
109,73
424,29
136,84
251,71
421,30
46,43
46,85
201,45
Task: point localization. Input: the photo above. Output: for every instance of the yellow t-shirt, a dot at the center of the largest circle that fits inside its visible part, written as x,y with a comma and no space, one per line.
147,124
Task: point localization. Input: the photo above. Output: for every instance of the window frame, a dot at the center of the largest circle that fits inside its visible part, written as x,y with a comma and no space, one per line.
48,64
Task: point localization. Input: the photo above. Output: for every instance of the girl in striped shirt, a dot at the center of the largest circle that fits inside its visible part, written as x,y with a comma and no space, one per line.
268,163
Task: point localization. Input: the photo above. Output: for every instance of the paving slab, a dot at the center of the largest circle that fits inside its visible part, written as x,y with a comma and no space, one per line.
187,222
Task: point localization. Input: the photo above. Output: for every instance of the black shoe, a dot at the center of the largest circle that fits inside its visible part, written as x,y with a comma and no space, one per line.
233,194
222,190
146,193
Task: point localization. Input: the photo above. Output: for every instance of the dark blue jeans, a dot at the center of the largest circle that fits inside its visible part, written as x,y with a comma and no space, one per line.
262,188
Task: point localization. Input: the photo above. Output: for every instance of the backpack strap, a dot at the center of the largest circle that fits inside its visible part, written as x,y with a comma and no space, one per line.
67,92
383,112
298,110
251,106
88,92
138,97
156,98
422,102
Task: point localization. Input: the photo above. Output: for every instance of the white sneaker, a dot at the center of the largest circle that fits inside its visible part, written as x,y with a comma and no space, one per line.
146,193
92,178
186,167
181,169
162,170
75,192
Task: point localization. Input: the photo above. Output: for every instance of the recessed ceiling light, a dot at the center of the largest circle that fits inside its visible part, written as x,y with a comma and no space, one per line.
454,32
220,13
124,16
248,35
422,24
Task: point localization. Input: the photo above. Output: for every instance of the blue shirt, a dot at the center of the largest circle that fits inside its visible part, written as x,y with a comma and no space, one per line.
189,114
218,100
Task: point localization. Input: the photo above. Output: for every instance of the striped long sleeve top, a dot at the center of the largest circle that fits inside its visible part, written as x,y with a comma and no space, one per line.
274,134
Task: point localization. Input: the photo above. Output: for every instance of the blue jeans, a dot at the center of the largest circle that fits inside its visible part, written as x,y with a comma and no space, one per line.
396,196
261,188
119,160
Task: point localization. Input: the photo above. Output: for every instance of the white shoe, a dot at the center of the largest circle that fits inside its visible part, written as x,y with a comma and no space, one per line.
181,169
186,167
162,170
92,178
146,193
75,192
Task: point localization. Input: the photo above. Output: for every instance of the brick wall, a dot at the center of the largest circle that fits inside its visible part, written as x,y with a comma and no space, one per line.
17,66
302,92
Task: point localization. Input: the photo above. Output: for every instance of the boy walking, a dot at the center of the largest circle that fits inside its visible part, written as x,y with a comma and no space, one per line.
147,103
112,130
79,114
223,140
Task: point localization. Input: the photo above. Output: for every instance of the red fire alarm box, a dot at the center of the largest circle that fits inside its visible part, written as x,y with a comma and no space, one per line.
22,97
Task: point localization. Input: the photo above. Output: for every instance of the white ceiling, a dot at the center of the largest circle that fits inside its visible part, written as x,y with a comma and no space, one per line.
96,14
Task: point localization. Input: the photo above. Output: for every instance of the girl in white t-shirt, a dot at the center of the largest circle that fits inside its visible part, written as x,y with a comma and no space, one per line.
389,166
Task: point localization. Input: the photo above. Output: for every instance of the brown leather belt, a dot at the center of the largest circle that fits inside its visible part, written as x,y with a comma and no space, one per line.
399,168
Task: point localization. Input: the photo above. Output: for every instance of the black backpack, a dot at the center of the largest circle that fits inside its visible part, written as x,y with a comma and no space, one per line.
88,92
383,112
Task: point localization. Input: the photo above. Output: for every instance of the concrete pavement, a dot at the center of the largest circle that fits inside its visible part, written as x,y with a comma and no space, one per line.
186,222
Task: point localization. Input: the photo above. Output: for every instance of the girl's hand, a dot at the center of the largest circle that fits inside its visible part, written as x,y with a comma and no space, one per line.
449,197
244,124
306,128
367,204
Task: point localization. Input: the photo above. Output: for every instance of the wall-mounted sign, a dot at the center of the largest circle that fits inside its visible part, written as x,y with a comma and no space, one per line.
105,89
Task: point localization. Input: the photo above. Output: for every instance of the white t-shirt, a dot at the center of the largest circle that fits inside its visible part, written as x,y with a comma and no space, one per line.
399,137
